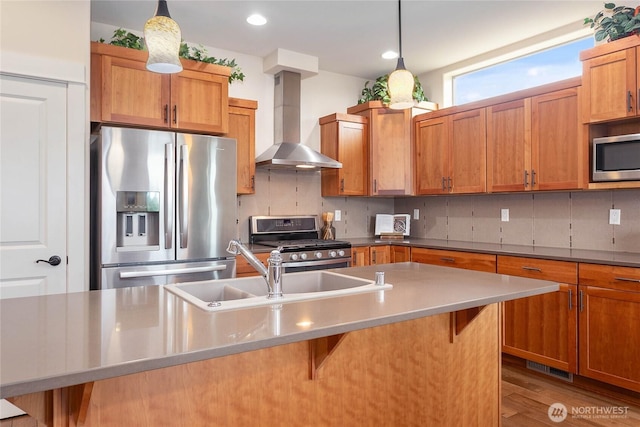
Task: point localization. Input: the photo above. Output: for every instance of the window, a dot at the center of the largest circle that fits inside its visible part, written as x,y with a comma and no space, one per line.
546,66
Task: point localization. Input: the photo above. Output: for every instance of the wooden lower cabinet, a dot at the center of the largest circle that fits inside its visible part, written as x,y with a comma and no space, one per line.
609,323
244,269
456,259
359,256
381,254
400,253
542,328
403,374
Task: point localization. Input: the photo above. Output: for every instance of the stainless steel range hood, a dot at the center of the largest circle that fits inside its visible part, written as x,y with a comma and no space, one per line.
288,152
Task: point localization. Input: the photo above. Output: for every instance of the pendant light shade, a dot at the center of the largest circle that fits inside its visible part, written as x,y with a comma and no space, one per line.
163,37
401,81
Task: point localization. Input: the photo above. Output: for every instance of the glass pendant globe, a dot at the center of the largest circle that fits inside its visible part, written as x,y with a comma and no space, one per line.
162,37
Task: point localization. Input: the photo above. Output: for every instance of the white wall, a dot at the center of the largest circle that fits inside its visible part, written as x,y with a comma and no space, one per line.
55,29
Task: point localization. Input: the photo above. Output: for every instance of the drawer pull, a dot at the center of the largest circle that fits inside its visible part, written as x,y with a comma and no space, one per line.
447,259
626,279
536,269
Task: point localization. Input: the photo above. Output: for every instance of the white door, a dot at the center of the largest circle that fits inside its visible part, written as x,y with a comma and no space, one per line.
33,135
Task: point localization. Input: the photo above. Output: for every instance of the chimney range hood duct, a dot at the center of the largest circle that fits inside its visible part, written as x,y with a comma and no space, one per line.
287,152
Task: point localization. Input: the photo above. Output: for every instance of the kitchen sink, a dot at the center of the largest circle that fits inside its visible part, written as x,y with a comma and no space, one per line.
230,294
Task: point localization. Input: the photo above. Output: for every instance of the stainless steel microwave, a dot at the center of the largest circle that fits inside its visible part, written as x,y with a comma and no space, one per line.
616,158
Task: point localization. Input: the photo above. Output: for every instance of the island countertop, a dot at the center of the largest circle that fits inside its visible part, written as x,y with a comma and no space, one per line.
55,341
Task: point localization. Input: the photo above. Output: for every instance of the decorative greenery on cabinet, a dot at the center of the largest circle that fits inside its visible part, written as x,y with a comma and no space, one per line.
129,40
615,22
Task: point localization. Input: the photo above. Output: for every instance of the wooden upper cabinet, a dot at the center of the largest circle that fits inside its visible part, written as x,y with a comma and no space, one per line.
242,127
344,137
129,93
611,79
123,91
509,146
199,102
537,143
390,149
468,152
559,158
432,155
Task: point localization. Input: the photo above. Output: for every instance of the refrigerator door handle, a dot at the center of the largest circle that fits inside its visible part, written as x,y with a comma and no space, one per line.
168,272
168,196
183,182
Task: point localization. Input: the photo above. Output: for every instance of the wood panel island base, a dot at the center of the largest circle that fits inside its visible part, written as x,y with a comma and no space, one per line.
416,372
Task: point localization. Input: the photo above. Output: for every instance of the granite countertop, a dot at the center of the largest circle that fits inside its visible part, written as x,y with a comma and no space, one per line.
61,340
625,259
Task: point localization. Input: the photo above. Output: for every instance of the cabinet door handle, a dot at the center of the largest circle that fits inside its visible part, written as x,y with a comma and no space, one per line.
627,279
526,179
175,114
253,182
373,257
533,177
536,269
166,113
570,300
447,259
444,188
580,304
449,184
629,101
342,185
375,186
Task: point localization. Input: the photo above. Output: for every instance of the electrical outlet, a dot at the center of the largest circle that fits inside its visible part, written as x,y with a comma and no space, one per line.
416,214
504,215
337,215
614,216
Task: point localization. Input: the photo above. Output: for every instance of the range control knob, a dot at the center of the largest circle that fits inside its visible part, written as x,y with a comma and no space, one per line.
341,252
293,257
303,256
318,254
332,254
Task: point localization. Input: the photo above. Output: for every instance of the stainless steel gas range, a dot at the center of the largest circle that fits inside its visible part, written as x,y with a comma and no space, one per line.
297,236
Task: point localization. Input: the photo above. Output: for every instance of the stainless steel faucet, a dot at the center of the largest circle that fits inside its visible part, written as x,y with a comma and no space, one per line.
272,274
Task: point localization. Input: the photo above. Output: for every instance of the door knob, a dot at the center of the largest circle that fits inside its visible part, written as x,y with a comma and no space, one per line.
54,260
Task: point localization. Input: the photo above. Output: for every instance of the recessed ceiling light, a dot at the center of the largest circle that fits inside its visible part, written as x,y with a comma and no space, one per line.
256,19
390,54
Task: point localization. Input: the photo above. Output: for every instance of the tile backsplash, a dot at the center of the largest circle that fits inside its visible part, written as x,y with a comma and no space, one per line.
564,219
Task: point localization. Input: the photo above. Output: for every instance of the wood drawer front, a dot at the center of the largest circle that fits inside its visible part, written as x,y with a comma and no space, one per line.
557,271
609,276
466,260
244,269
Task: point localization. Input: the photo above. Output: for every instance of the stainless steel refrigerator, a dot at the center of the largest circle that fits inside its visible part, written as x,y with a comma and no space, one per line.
163,207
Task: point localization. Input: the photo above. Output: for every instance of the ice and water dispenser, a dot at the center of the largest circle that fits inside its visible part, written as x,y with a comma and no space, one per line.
138,220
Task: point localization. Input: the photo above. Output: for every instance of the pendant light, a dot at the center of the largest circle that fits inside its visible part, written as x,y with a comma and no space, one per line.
401,82
162,37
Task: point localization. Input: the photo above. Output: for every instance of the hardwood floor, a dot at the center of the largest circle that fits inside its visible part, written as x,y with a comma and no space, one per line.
526,398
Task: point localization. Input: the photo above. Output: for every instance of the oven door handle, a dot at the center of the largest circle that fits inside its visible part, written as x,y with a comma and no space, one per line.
315,262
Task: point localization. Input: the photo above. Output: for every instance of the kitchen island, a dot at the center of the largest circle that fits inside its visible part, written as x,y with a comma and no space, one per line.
426,352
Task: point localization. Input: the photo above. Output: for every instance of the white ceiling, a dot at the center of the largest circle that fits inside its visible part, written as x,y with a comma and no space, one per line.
348,37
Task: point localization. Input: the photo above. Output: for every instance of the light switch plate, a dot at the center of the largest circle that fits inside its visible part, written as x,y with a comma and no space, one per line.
614,216
416,214
337,215
504,215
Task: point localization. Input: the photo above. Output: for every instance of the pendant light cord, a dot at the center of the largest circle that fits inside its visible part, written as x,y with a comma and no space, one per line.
400,28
